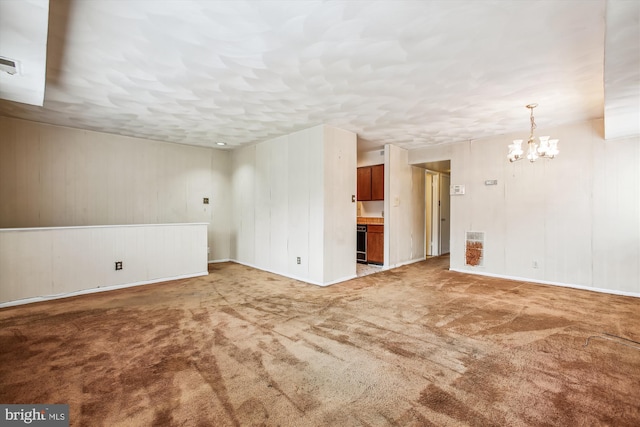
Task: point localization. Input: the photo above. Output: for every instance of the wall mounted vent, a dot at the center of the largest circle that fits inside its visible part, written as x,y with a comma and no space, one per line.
9,66
474,248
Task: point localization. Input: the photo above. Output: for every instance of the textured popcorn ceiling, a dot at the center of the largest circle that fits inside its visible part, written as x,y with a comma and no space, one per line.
411,73
23,38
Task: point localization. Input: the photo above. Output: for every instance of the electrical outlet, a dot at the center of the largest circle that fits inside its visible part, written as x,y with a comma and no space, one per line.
298,260
535,264
118,265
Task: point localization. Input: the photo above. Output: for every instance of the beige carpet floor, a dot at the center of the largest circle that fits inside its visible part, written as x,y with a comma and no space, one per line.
414,346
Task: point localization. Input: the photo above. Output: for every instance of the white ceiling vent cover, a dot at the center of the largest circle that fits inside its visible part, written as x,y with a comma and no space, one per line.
474,249
9,66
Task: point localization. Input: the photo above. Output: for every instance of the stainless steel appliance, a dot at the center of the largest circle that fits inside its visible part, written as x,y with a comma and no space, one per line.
361,249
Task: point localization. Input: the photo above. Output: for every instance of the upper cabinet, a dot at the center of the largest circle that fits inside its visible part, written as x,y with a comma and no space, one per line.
364,183
371,183
377,182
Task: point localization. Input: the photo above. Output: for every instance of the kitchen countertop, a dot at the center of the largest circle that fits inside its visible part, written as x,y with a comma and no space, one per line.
370,220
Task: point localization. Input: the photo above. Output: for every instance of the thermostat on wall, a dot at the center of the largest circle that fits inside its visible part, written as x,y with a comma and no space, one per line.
456,190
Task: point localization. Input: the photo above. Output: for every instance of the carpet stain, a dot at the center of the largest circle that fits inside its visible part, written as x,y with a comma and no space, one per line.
439,400
397,348
280,353
208,368
413,418
254,413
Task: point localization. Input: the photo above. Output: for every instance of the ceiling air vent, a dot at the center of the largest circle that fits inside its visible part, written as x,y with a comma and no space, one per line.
8,65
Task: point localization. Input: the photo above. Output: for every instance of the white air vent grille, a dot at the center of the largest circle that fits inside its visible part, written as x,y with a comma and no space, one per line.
474,248
8,65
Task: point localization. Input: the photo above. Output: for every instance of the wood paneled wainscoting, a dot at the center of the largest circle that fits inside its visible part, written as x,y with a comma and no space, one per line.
54,262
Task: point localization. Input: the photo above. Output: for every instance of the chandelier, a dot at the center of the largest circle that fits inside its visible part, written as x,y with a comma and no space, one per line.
546,148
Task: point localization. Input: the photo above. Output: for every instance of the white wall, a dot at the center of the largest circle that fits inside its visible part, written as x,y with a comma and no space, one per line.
404,209
306,204
56,176
243,205
339,211
40,263
219,208
371,209
370,158
577,216
292,198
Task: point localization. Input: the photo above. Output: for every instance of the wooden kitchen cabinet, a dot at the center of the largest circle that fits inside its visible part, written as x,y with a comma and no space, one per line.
377,182
364,183
375,244
371,183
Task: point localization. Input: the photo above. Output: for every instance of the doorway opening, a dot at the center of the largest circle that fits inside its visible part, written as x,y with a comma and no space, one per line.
437,208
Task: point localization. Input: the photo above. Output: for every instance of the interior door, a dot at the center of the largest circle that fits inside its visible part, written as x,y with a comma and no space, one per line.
432,213
445,211
435,214
428,213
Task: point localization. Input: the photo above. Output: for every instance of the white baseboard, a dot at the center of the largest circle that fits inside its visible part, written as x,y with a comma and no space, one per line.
312,282
216,261
291,276
547,282
96,290
344,279
400,264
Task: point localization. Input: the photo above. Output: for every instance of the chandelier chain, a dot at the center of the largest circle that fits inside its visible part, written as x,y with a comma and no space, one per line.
533,121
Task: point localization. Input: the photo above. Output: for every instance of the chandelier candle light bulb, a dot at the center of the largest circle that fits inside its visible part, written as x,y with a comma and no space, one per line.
546,148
